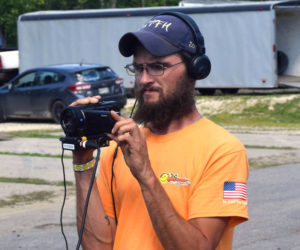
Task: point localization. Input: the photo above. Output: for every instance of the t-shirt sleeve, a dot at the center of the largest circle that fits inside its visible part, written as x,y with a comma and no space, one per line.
220,191
103,181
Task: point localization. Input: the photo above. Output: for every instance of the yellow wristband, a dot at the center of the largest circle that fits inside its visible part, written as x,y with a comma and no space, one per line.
84,167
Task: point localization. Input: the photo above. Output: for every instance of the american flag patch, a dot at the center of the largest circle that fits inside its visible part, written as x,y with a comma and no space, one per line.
235,190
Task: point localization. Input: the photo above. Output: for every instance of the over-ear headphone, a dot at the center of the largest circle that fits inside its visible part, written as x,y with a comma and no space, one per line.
199,67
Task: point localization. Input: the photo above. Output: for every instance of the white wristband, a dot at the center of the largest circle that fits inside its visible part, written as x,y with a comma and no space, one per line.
84,167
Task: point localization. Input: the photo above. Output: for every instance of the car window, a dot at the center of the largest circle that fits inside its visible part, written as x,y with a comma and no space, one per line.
48,77
93,75
25,80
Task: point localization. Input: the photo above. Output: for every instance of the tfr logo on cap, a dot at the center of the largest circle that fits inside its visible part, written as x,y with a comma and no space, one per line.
158,24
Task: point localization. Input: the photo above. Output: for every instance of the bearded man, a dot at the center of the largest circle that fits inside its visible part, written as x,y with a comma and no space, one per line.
179,180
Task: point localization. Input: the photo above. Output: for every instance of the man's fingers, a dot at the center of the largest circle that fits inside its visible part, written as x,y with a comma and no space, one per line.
116,116
123,126
87,100
123,130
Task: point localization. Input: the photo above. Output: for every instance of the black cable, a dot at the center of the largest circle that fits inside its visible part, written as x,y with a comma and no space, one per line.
64,200
88,198
111,183
133,108
112,170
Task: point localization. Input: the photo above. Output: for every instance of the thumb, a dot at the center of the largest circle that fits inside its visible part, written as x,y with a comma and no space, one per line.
116,116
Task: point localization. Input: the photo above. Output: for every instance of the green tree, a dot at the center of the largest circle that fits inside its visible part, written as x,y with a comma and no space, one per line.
9,12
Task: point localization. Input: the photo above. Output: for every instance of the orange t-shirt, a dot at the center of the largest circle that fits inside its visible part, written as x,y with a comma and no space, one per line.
202,168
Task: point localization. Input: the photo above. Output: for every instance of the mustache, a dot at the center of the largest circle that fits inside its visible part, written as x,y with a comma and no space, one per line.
140,90
148,87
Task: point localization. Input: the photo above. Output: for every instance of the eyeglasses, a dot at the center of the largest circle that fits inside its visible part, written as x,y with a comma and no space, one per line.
153,69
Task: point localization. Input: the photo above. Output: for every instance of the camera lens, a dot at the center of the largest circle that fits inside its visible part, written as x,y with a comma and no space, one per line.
71,119
92,121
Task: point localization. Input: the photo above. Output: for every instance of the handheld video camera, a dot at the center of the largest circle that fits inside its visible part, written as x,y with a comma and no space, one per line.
87,122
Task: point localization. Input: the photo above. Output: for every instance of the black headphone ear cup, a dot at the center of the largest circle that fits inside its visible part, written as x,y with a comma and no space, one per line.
200,67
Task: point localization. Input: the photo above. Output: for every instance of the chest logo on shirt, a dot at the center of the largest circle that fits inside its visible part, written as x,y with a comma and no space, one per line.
173,179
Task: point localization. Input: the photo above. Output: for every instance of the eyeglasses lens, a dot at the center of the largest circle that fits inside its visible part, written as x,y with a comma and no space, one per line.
154,69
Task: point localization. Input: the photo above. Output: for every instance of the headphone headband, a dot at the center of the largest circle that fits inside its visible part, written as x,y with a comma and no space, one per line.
199,40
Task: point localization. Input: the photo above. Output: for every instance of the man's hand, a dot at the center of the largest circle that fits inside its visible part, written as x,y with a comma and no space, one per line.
133,144
87,100
83,156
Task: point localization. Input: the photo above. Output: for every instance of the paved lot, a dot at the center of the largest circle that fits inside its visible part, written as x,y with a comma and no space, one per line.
274,201
274,210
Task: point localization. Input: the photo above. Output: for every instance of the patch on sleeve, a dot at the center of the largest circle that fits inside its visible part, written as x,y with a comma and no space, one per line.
235,190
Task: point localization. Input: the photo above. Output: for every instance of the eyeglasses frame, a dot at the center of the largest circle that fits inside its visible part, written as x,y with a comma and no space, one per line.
144,65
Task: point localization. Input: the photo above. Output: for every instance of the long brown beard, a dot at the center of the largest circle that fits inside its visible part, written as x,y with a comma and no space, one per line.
171,106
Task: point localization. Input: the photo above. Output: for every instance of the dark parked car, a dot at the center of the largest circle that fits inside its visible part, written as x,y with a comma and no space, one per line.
44,92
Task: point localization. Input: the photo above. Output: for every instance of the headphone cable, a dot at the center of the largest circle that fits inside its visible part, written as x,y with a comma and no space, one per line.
88,198
64,199
112,170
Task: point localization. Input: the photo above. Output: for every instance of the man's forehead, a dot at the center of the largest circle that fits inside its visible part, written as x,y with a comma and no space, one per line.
142,54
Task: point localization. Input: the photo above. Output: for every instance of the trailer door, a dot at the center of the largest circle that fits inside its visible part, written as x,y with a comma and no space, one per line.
288,45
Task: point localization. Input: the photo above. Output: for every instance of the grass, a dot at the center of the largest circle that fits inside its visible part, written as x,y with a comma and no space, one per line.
255,111
268,147
34,155
34,181
26,198
262,162
37,133
273,110
18,199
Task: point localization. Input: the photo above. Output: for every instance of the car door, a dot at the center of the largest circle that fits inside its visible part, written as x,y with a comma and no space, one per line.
17,101
46,89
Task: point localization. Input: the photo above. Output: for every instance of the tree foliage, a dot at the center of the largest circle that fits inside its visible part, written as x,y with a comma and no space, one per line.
11,9
9,12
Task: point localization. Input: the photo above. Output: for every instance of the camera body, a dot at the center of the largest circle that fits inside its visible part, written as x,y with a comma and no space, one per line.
91,122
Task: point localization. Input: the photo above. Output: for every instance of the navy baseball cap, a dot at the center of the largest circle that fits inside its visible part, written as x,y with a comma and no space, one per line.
162,35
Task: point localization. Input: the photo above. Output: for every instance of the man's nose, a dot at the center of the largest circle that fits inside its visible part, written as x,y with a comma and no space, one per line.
144,76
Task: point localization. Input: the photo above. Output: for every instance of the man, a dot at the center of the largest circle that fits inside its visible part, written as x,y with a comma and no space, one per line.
178,182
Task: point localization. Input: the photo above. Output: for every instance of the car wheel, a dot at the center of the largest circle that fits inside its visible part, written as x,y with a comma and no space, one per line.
207,91
229,91
56,110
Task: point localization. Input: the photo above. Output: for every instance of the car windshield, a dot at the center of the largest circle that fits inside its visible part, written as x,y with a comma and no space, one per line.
95,75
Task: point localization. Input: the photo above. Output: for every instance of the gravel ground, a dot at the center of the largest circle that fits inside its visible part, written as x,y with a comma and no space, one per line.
273,198
36,224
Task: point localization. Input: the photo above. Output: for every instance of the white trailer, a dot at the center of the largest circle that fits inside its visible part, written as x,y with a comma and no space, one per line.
250,44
